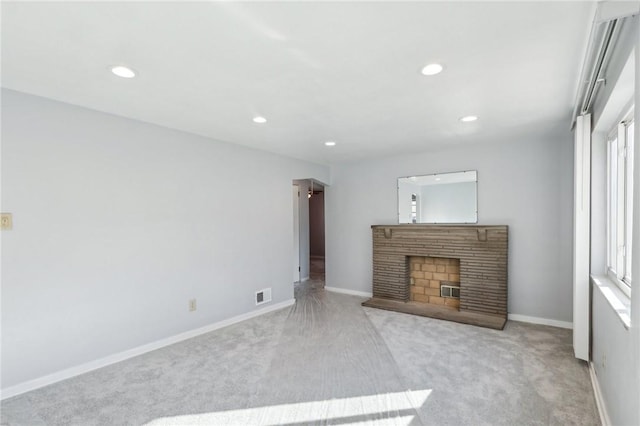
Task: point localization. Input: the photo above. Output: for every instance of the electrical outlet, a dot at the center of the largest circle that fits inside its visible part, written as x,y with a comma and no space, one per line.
192,305
6,221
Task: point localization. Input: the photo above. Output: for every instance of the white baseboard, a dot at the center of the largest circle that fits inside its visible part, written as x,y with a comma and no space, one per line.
347,291
304,279
121,356
602,408
541,321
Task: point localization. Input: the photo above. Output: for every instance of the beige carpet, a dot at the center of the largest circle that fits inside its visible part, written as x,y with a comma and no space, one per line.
327,360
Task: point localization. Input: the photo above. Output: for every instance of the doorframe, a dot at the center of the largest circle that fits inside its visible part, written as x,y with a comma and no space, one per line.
296,233
303,225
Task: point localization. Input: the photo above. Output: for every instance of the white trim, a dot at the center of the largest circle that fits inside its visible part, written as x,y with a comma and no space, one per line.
608,11
602,408
541,321
581,237
617,299
121,356
347,291
304,279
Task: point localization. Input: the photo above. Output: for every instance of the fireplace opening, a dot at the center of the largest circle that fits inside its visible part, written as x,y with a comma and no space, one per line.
434,280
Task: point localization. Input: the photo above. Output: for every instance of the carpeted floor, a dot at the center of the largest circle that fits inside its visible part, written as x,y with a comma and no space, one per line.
327,360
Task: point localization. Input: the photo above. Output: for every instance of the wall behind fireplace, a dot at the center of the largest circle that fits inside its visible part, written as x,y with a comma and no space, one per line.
524,183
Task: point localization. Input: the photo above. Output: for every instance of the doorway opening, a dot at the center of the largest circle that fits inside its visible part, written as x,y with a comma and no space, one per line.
316,235
309,231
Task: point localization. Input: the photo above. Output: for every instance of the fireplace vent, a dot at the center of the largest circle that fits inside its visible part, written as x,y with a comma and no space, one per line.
450,291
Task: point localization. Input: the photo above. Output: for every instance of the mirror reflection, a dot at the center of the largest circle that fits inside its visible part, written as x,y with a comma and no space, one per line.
438,198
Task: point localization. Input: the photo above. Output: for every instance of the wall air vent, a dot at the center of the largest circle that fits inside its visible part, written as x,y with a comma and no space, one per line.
450,291
263,296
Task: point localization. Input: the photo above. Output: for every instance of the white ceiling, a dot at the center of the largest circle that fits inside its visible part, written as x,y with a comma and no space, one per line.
318,71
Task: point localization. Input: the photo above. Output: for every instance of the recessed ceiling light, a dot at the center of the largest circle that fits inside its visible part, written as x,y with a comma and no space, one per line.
122,71
259,120
469,118
432,69
330,143
437,178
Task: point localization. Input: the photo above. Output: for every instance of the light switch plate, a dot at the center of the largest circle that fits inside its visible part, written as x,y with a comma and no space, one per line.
6,221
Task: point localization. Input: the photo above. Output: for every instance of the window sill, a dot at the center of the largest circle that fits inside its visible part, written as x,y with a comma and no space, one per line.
620,302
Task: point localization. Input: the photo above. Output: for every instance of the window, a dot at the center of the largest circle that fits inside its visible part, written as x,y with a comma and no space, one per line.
620,202
414,208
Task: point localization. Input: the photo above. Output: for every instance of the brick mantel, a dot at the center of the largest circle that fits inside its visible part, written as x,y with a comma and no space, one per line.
482,251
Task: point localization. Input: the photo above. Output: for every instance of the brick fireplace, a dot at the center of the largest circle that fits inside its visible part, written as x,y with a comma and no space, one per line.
411,264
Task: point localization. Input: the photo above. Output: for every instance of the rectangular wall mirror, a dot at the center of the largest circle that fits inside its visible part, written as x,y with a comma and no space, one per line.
438,198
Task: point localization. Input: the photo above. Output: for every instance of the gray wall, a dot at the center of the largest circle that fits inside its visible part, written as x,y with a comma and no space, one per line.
634,368
616,349
525,183
448,203
118,223
615,362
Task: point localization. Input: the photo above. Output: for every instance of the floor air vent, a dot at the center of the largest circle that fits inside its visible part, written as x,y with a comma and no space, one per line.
263,296
450,291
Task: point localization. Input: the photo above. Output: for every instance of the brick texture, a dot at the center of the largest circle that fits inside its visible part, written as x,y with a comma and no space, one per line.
428,283
480,250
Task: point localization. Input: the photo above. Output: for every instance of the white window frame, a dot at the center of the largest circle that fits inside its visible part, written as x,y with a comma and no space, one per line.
620,202
415,208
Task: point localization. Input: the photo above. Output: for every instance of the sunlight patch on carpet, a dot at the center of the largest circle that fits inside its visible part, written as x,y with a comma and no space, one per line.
394,408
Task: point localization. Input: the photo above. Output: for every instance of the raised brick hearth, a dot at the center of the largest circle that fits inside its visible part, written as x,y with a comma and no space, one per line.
411,262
